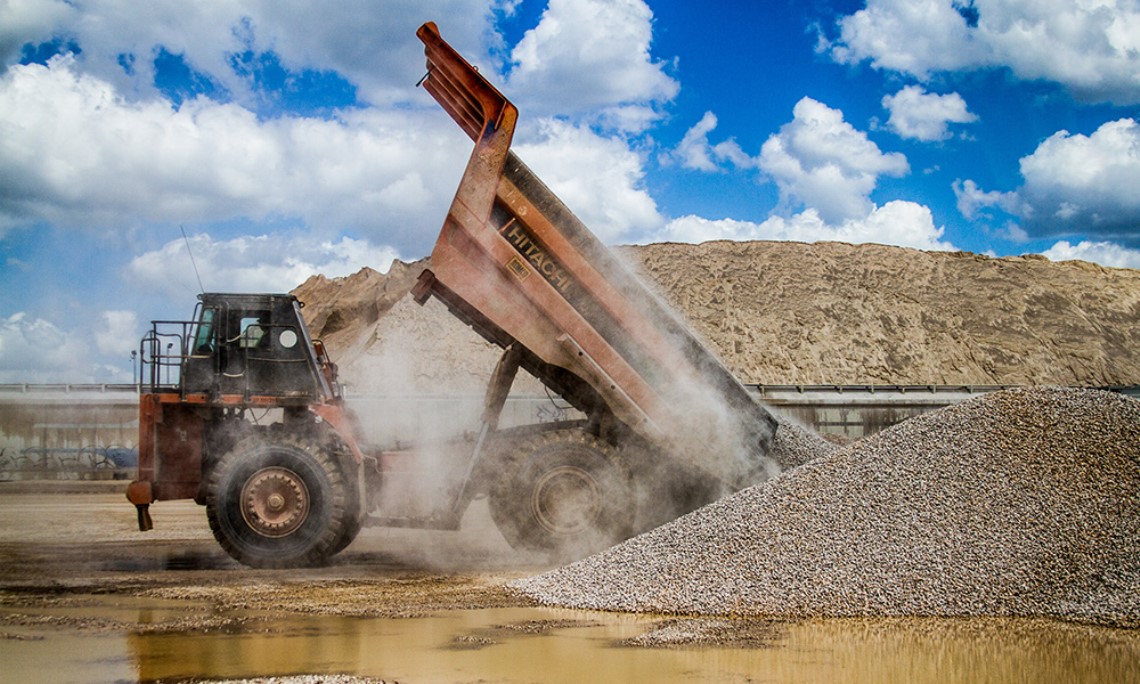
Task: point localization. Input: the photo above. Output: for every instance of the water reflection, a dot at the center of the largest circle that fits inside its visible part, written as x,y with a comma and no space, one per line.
548,645
539,645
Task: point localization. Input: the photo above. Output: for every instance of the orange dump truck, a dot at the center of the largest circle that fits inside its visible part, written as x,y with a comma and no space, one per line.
250,421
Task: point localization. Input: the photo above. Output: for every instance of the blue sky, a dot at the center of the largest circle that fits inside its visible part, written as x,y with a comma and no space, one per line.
287,138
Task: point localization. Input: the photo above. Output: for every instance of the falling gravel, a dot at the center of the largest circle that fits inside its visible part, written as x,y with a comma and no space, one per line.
795,445
1016,503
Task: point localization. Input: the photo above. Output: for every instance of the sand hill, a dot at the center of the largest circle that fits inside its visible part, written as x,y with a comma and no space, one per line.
784,312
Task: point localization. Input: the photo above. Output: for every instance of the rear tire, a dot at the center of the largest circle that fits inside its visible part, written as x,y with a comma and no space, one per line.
563,494
279,504
353,522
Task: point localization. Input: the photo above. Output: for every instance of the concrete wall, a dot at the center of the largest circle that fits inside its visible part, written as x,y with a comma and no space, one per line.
68,431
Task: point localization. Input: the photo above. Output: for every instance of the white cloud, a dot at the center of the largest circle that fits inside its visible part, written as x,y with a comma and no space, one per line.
1079,179
972,199
901,223
22,21
822,162
695,152
262,263
925,116
1103,253
82,155
1073,183
601,179
586,55
36,350
1091,47
119,330
911,36
373,47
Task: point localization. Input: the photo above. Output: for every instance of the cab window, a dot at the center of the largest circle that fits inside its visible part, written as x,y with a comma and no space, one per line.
254,331
204,335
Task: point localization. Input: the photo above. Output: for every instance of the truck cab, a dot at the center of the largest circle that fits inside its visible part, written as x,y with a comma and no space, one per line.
251,343
240,410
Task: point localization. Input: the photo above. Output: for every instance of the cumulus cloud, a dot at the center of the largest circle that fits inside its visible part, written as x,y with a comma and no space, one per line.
901,223
914,37
1091,48
80,154
25,20
261,263
588,55
973,201
820,161
376,51
696,152
925,116
1087,181
1073,183
693,152
118,330
1103,253
600,178
36,350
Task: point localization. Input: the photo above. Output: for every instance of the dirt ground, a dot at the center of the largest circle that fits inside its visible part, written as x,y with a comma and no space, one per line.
59,539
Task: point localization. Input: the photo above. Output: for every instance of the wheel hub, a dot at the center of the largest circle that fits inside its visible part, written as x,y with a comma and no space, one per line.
566,500
274,502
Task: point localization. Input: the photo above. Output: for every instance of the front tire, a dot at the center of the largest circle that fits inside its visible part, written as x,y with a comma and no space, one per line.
279,504
563,494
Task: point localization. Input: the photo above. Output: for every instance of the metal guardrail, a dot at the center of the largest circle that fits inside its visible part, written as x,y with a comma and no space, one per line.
66,388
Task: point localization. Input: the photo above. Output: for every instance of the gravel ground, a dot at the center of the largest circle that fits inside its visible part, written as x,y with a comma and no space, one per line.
1017,503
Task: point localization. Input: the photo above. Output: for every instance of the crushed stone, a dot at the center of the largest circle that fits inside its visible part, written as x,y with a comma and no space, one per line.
1016,503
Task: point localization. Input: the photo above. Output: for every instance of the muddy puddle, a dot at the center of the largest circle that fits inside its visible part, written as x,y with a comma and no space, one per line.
127,639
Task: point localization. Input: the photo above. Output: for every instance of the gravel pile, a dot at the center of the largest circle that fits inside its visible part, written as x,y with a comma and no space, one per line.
795,445
1016,503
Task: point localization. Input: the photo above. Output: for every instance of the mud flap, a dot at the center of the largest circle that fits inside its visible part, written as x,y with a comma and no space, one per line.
145,523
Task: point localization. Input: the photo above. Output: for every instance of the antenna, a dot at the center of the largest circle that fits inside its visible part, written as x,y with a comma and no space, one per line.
192,262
